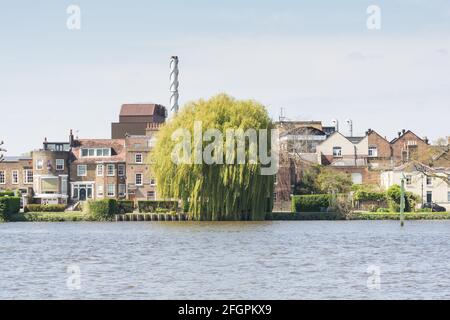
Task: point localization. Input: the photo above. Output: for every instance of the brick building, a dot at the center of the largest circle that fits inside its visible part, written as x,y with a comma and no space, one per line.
141,184
407,146
16,173
133,119
97,169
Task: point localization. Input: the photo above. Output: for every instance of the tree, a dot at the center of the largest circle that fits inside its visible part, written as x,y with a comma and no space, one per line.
215,191
308,183
431,162
394,194
331,181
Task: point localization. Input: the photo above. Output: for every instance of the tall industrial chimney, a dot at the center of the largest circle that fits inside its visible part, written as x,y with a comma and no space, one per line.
174,84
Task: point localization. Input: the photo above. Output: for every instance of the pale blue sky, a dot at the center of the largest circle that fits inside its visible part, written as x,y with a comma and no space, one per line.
316,59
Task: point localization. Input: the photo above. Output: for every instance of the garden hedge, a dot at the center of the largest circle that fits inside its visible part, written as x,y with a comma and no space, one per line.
7,193
102,209
310,203
8,206
153,205
125,206
45,208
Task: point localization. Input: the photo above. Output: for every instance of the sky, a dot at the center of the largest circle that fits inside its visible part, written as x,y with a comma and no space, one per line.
315,59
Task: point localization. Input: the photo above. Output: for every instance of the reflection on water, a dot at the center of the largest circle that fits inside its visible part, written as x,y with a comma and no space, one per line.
245,260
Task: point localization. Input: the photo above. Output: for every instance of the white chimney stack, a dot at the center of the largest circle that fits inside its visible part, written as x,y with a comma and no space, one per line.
174,84
335,123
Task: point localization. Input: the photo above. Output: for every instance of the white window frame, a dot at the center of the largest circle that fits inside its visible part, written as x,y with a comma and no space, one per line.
39,164
142,179
113,193
100,193
3,176
154,194
121,170
26,176
60,164
408,179
108,166
16,180
136,158
100,170
371,153
64,186
430,180
78,170
340,152
94,152
122,190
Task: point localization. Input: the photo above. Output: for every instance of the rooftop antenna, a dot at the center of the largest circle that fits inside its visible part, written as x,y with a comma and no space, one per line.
281,117
335,123
350,126
174,84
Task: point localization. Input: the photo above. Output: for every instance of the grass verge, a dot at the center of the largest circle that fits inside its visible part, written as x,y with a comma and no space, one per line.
48,217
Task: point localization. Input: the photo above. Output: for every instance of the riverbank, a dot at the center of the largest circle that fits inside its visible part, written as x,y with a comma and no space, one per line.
287,216
48,217
275,216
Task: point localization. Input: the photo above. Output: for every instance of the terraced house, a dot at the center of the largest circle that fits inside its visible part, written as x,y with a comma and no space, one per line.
90,169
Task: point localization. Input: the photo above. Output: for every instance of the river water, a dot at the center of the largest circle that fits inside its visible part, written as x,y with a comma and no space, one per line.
246,260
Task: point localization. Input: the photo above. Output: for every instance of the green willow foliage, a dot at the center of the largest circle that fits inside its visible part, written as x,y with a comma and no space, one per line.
216,191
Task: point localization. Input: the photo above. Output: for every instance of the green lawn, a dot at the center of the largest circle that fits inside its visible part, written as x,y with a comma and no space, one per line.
48,216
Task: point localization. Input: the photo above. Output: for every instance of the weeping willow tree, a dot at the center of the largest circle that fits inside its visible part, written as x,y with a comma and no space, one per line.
228,190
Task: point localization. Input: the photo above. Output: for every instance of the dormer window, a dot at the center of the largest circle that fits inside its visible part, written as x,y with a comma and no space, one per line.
96,152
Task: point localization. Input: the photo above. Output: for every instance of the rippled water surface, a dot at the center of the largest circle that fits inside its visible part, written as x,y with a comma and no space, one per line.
261,260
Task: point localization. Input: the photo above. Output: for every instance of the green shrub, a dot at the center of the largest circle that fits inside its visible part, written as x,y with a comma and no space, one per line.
48,216
13,205
153,205
125,206
7,193
364,195
304,216
162,210
310,203
102,210
8,206
425,210
45,208
394,194
382,210
3,214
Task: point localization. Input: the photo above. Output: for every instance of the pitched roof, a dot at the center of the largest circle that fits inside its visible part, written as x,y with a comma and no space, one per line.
147,109
118,153
403,134
355,140
311,131
16,159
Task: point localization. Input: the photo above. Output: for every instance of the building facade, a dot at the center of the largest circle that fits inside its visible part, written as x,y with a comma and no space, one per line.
430,188
141,184
133,119
16,173
97,169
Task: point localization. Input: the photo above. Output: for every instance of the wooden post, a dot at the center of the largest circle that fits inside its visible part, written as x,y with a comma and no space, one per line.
402,203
